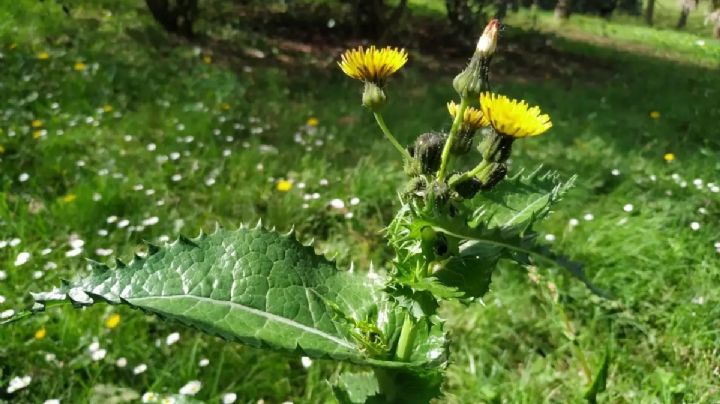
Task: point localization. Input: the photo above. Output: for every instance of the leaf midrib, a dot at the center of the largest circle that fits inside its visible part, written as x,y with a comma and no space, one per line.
251,310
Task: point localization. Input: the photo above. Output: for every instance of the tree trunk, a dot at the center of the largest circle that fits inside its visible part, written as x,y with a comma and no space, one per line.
649,12
175,16
685,8
563,9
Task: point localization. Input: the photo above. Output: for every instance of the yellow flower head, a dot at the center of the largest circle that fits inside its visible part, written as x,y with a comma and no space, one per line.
473,118
40,334
373,64
79,66
312,121
655,114
36,123
2,149
669,157
512,117
284,185
43,55
113,321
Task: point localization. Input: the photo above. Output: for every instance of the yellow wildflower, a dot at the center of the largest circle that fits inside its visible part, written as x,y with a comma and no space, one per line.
284,185
473,118
207,59
69,198
373,64
655,114
43,55
37,134
112,321
2,149
669,157
225,106
107,108
36,123
40,334
12,46
312,121
79,66
513,117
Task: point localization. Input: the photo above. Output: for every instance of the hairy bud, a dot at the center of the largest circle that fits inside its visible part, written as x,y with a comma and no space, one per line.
373,96
428,151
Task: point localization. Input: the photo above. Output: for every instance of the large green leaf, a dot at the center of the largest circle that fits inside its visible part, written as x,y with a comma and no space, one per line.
256,287
518,202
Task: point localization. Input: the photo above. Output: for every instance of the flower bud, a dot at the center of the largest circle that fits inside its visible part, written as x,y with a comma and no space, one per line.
428,151
469,83
463,142
468,188
373,96
488,40
492,176
496,147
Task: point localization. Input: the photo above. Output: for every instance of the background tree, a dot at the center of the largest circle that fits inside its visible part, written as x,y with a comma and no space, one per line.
649,12
686,6
176,16
563,8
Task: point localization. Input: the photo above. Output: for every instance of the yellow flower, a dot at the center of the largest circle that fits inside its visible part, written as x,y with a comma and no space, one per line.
655,114
69,198
669,157
107,108
207,59
113,321
225,106
12,46
43,55
284,185
79,66
473,118
373,65
37,134
312,121
36,123
2,149
40,334
512,117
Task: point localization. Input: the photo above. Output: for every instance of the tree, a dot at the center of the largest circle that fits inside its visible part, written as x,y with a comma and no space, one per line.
374,18
563,9
649,12
685,8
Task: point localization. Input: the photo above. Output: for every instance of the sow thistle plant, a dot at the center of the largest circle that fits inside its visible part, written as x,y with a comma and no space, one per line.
460,215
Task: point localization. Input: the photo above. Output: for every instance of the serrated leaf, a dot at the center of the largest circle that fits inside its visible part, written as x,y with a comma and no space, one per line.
251,286
518,202
356,388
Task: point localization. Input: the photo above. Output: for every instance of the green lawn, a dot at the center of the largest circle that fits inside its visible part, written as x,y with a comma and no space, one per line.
112,133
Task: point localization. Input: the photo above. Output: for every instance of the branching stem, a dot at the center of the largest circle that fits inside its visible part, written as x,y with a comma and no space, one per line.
454,129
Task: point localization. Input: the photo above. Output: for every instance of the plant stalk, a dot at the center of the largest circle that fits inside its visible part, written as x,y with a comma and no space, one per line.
454,129
470,174
381,123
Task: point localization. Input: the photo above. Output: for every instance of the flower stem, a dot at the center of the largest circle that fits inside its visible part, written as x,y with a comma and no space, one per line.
389,135
470,174
407,337
451,138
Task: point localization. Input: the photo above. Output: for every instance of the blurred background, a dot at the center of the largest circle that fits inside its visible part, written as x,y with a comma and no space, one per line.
129,120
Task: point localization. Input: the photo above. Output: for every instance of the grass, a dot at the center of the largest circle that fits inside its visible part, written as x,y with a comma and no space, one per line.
145,110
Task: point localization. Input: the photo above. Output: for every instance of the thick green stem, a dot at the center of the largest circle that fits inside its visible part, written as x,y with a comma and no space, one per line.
390,137
407,337
470,174
451,138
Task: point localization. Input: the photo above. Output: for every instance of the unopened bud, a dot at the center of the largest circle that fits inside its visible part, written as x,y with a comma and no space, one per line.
488,40
428,151
493,176
468,188
373,96
469,83
463,142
